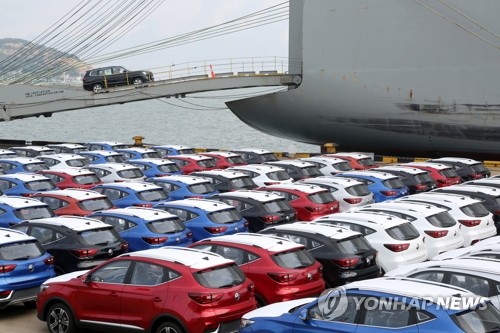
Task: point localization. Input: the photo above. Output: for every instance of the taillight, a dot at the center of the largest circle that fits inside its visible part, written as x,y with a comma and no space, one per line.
353,201
203,298
246,224
389,193
49,261
436,233
215,230
7,268
119,180
251,287
27,194
194,197
470,223
5,293
282,277
270,218
421,187
316,209
155,240
271,183
346,262
397,247
87,253
143,205
124,247
189,235
477,175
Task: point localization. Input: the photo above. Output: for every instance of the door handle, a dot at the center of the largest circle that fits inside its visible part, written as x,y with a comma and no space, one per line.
156,299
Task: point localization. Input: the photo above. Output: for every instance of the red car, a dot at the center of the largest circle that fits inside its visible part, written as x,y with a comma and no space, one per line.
76,202
310,201
358,161
281,269
225,159
171,289
72,178
443,174
193,162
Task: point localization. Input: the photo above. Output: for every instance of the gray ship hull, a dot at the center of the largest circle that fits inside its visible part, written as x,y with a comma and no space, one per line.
389,76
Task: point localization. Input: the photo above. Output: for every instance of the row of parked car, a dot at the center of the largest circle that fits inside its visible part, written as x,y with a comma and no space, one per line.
353,235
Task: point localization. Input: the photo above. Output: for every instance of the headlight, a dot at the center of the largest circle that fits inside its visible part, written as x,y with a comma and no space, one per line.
246,322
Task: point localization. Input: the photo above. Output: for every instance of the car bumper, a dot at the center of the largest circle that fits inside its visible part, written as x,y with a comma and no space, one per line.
20,296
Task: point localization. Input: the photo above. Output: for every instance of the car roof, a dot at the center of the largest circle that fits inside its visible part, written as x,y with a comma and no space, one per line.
230,174
189,156
76,223
458,264
318,228
369,173
144,213
406,206
155,161
135,186
473,188
438,166
100,152
251,194
25,177
400,168
112,166
137,149
22,160
252,150
203,204
292,162
186,179
66,145
76,193
306,188
62,156
20,202
351,154
333,180
111,143
190,257
257,167
36,148
221,153
11,236
71,171
326,159
365,218
176,147
468,161
458,199
267,242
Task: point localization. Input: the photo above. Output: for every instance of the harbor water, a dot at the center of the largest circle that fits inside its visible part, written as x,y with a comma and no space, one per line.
200,120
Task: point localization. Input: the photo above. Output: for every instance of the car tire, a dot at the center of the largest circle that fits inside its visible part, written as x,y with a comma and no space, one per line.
137,80
169,327
60,319
97,87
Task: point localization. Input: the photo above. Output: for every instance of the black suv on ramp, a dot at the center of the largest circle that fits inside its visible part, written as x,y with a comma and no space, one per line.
113,76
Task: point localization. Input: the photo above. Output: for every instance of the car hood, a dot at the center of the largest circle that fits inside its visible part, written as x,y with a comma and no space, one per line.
277,309
66,277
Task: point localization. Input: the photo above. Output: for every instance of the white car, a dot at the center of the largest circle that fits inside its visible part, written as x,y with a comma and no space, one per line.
441,231
64,160
116,172
476,221
350,193
328,165
264,175
478,275
7,153
397,241
490,251
68,148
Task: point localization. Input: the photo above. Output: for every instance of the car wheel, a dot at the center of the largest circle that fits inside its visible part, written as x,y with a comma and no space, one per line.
169,327
30,304
60,319
96,87
137,80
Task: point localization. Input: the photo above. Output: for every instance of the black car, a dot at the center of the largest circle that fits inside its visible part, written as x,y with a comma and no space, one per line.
226,181
256,156
466,168
417,180
261,209
76,243
298,169
113,76
346,255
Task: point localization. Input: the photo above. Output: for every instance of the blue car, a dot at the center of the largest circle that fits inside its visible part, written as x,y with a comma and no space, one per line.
146,228
25,184
24,266
206,218
156,167
131,193
105,145
17,209
22,164
379,305
184,186
384,186
103,156
164,150
136,153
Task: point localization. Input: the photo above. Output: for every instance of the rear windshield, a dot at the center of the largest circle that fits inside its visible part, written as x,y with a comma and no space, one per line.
99,236
33,167
486,318
78,162
130,173
405,231
353,245
393,183
169,167
150,155
322,197
342,166
478,167
202,188
95,204
311,171
21,250
208,163
86,179
185,151
475,210
297,258
40,185
166,226
242,182
424,177
443,220
235,159
152,195
30,213
278,175
115,158
225,216
268,157
220,277
280,205
449,173
358,190
367,161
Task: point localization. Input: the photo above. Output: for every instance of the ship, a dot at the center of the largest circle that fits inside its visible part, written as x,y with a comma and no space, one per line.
397,77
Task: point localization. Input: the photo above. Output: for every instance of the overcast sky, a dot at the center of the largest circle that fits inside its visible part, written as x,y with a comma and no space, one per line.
27,19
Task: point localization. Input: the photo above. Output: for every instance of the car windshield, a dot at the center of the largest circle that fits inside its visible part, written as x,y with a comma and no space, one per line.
33,167
99,236
152,195
166,226
202,188
225,216
243,182
353,245
280,205
322,197
235,159
393,183
278,175
449,173
358,190
220,277
21,250
34,212
208,163
475,210
78,162
405,231
118,158
486,318
296,258
443,220
86,179
130,173
367,161
40,185
96,204
171,167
